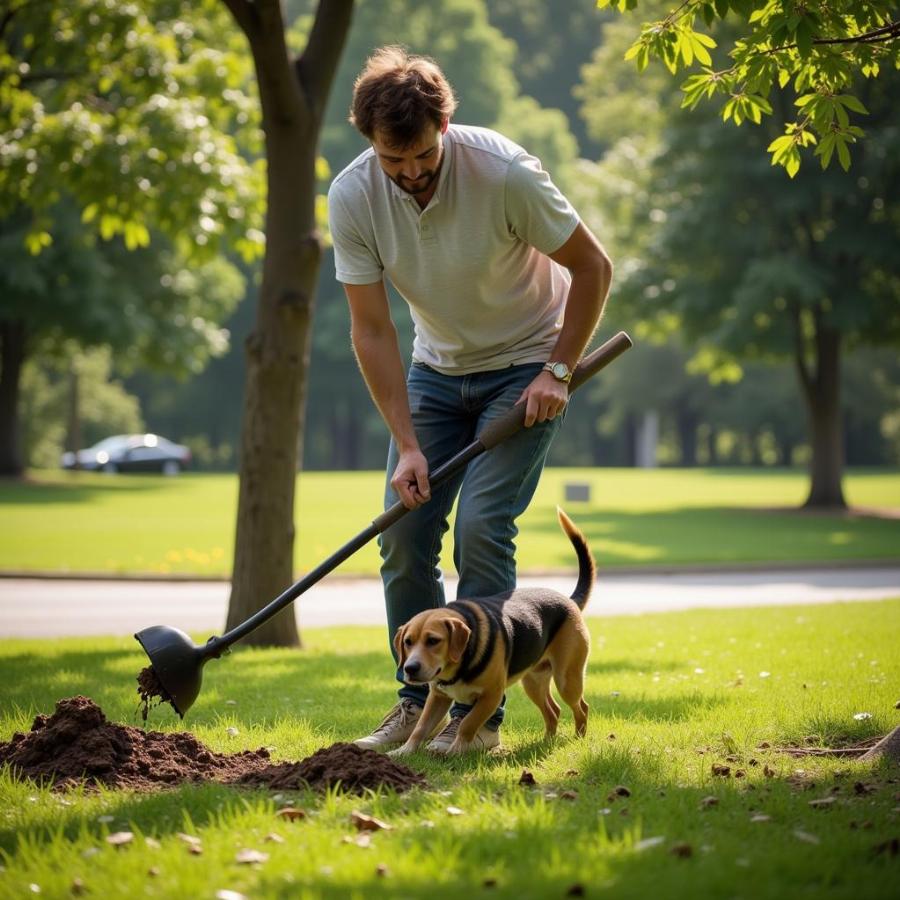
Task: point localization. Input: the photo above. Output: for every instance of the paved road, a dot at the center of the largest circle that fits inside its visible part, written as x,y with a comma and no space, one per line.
55,608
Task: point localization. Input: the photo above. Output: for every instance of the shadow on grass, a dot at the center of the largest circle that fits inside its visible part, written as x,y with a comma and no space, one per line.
76,490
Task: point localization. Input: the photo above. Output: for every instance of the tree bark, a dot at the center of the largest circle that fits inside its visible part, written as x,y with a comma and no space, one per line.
821,385
12,358
888,747
293,96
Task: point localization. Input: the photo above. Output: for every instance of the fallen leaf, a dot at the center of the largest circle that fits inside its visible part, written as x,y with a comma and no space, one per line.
195,850
569,795
363,840
251,856
120,838
153,871
621,791
526,778
768,772
230,895
152,842
571,772
105,820
805,836
290,813
760,817
188,839
454,811
862,716
610,737
707,802
740,773
682,849
763,746
232,731
861,788
368,823
823,803
274,838
721,770
77,887
381,870
34,888
648,843
231,702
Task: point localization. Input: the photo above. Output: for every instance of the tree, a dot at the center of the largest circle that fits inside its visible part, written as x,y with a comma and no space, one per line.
293,92
820,49
118,126
713,244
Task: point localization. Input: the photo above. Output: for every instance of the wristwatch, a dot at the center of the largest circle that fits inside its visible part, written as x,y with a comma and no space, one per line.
559,370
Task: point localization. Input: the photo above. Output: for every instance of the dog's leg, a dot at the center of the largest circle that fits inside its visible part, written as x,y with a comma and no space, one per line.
436,707
482,710
537,686
569,663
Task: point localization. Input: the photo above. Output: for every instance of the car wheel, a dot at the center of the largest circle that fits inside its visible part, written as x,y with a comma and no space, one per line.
171,467
110,468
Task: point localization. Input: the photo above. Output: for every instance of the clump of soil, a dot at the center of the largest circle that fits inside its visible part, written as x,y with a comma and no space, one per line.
352,768
78,744
151,691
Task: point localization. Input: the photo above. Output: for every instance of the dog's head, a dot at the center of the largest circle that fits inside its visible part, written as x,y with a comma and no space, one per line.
429,644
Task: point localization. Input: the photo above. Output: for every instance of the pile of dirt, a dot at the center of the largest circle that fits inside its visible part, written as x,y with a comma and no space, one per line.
78,744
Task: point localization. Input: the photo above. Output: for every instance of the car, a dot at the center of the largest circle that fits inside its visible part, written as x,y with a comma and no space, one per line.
131,453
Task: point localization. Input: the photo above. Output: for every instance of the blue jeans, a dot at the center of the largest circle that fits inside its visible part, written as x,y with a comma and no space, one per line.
448,412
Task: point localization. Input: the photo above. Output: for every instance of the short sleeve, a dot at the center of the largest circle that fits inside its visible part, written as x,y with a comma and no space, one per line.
536,210
355,262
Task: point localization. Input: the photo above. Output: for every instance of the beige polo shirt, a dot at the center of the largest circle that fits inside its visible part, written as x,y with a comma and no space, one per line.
472,265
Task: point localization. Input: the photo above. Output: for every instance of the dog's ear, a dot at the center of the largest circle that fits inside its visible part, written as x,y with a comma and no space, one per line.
398,645
459,637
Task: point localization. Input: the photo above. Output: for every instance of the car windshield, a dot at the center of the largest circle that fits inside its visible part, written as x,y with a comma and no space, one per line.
111,443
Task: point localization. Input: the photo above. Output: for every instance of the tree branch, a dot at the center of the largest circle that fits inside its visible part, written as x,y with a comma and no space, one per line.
316,67
800,351
244,14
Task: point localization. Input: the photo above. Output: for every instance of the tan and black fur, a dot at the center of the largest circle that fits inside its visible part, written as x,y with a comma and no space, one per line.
471,650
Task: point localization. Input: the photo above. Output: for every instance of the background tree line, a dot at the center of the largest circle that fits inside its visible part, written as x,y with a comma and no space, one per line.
712,248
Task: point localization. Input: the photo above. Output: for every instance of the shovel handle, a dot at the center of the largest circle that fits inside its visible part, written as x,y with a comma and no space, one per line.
512,421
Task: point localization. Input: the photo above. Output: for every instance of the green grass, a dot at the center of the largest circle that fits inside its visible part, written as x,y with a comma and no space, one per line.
670,695
77,522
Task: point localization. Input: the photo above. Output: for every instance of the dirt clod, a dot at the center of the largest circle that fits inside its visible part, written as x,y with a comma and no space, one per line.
151,691
78,744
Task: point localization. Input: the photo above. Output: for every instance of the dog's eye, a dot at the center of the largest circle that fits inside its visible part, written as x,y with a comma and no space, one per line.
407,642
432,641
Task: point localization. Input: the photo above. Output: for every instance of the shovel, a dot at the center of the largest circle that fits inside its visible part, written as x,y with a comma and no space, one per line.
178,662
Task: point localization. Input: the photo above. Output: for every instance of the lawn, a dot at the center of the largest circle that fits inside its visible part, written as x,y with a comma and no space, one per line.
670,695
79,522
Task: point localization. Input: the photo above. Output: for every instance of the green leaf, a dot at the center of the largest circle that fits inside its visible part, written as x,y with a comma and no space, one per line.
853,103
804,38
792,163
721,8
843,152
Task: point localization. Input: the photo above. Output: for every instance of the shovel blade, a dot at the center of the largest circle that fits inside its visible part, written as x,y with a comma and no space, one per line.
178,663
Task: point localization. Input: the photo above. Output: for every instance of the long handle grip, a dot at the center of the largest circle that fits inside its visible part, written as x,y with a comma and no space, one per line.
507,425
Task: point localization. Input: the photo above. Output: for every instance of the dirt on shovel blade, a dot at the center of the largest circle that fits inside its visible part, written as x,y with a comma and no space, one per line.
78,744
151,691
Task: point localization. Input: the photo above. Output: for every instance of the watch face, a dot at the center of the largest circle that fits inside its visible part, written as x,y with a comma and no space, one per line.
560,371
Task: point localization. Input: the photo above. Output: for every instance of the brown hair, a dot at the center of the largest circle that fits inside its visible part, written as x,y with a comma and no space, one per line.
399,95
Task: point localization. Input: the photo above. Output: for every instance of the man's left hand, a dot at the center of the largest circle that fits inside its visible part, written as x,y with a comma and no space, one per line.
545,397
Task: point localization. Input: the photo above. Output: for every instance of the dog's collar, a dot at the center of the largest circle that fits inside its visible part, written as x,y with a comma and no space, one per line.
447,683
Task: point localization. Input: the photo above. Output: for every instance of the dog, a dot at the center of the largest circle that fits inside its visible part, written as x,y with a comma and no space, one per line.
471,650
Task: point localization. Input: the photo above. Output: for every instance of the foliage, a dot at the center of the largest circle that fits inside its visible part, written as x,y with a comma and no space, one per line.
818,49
105,407
138,114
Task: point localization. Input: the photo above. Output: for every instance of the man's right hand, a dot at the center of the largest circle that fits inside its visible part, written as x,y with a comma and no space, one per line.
410,479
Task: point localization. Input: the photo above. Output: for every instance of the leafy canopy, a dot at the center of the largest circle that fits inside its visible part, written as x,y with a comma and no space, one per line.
138,113
818,48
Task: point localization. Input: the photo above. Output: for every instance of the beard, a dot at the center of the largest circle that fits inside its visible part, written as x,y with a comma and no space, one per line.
420,184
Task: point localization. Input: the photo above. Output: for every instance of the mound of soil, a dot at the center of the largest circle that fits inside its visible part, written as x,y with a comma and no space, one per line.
78,744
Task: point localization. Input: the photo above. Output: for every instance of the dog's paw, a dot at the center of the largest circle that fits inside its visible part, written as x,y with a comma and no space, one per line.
403,750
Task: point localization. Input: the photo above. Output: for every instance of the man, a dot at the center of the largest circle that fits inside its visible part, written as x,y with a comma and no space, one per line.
505,286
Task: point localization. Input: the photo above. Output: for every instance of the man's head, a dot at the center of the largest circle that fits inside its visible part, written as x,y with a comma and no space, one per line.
403,104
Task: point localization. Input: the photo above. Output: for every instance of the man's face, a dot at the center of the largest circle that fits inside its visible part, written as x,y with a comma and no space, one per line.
415,169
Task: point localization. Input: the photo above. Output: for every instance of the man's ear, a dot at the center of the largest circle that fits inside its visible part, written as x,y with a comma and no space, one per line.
399,646
445,125
459,637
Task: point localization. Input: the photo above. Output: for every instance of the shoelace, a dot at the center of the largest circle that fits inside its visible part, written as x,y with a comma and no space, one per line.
401,711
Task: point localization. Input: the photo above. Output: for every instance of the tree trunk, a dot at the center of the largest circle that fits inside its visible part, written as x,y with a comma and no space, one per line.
822,391
888,747
687,422
293,96
12,358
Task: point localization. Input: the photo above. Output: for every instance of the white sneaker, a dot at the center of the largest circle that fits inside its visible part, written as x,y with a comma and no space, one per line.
395,729
485,738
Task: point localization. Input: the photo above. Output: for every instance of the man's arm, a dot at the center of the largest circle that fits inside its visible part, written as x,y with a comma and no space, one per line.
591,271
377,350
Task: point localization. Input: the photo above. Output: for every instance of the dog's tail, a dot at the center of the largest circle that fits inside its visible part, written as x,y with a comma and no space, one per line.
586,565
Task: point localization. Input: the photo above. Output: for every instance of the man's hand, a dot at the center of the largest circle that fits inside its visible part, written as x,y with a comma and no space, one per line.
410,479
545,397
